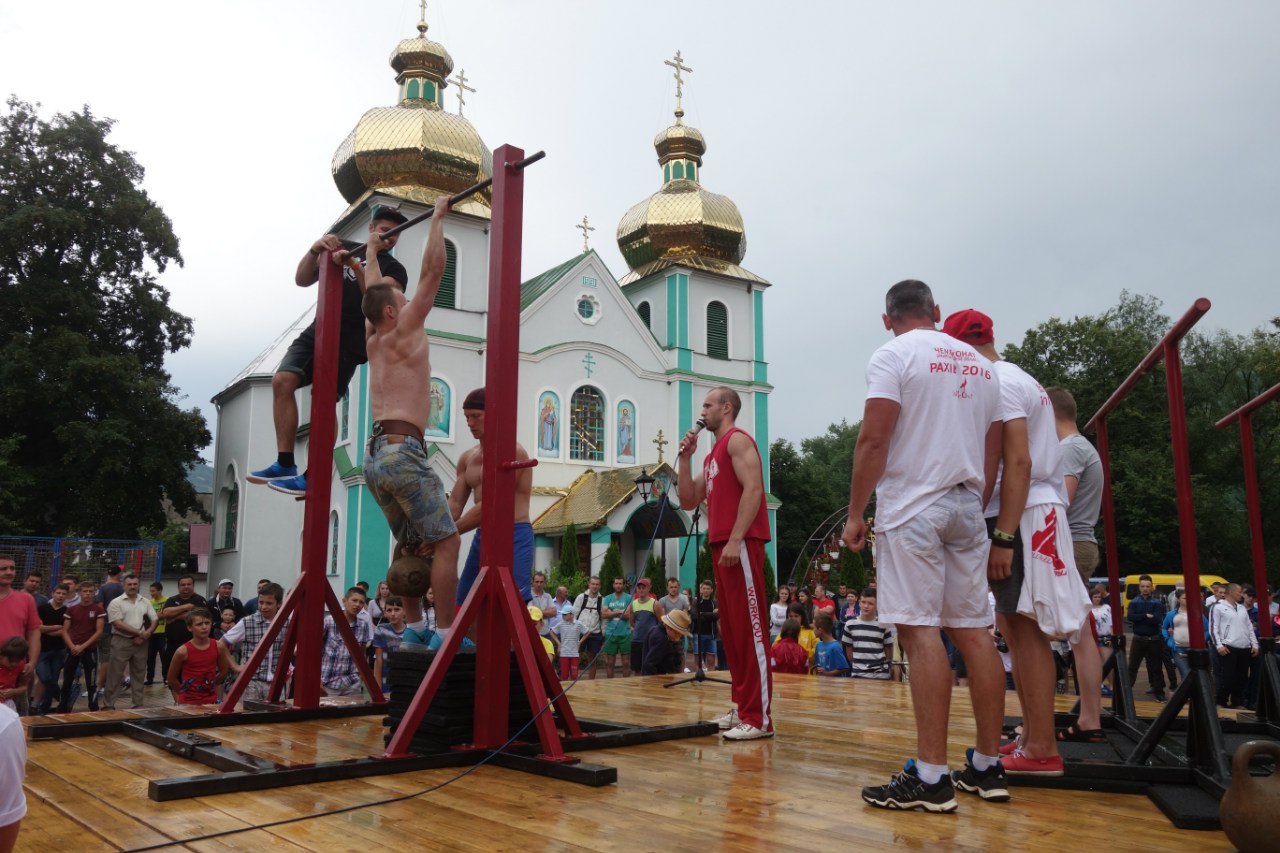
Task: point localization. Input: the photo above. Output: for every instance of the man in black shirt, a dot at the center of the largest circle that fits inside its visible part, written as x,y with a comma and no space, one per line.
176,631
295,370
53,650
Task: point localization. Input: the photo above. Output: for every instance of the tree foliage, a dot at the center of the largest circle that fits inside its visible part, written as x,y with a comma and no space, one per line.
1090,356
611,567
91,436
655,569
812,483
567,572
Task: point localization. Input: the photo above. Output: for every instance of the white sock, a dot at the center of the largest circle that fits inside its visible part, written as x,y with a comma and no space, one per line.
442,633
982,762
930,774
420,626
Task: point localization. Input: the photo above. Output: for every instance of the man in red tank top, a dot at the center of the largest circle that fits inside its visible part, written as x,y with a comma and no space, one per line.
732,484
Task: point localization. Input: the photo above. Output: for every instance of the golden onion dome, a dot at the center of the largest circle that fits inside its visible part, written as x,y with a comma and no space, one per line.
415,150
679,221
680,140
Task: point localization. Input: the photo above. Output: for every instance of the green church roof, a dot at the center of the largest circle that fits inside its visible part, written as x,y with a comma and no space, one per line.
538,285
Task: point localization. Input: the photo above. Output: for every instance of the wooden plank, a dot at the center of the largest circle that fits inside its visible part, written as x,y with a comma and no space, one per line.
696,794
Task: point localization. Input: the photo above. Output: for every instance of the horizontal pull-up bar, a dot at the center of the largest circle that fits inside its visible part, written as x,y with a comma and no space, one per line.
453,199
1171,338
1250,407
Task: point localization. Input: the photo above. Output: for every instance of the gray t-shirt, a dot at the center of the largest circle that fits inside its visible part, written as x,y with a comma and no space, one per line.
680,602
1081,461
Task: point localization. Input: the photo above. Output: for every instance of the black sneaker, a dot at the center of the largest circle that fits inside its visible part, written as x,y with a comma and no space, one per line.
906,791
990,784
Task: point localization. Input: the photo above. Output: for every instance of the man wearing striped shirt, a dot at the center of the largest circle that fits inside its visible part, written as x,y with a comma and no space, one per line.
1231,633
869,643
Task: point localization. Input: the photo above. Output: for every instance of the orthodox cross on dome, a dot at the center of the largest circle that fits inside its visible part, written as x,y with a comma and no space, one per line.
661,442
584,227
588,363
461,82
677,62
422,17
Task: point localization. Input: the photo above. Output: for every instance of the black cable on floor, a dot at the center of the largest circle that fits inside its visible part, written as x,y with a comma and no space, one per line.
388,801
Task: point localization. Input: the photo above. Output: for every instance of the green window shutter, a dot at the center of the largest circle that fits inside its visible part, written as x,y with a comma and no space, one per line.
643,310
717,330
447,296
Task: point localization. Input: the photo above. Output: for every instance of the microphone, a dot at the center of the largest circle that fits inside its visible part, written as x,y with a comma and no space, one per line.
698,426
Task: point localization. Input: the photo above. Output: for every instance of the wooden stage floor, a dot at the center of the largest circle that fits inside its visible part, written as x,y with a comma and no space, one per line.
798,792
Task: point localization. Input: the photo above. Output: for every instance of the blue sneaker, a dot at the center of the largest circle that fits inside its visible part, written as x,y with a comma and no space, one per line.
274,471
435,643
296,486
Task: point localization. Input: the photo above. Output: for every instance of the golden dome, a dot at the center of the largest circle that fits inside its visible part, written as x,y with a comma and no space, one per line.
415,150
682,220
678,141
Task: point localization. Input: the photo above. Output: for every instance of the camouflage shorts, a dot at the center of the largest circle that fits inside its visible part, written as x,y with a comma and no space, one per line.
408,491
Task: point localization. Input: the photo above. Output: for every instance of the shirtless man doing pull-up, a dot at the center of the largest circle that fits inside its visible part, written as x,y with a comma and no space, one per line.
395,466
470,476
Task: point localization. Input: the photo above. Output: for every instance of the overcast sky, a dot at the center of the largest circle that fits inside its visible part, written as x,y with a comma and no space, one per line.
1027,159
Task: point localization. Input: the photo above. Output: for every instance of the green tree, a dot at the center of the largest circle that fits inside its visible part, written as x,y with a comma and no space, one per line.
703,568
611,567
812,483
176,538
86,406
567,571
655,569
849,570
770,580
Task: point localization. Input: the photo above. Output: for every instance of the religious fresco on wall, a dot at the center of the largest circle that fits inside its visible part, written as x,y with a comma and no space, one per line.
439,411
626,432
549,424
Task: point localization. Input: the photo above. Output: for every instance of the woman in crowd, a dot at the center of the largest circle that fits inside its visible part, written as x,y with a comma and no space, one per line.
778,613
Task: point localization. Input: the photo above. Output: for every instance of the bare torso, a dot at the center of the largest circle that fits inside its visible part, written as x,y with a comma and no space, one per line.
472,465
400,375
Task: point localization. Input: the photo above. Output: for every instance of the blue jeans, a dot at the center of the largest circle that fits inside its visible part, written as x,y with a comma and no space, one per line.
48,668
1180,660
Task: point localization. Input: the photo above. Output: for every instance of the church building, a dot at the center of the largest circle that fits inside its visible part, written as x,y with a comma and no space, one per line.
612,371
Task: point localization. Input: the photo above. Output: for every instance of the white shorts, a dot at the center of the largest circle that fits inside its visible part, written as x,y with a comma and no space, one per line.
932,568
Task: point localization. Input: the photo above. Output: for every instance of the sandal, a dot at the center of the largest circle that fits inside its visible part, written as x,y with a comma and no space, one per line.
1078,735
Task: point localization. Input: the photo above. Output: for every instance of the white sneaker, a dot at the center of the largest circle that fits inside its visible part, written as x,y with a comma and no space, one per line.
728,721
746,731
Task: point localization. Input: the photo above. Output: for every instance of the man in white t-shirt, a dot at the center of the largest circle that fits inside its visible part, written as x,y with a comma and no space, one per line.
928,445
1038,597
13,766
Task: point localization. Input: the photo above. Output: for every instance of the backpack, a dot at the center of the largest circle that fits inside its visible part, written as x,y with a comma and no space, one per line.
581,605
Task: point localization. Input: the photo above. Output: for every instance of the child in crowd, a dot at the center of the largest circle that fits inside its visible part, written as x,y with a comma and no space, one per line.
13,678
199,666
84,623
535,615
828,657
339,672
228,622
387,638
868,644
787,655
807,638
706,621
570,633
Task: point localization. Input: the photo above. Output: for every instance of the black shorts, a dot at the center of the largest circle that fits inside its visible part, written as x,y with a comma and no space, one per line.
1008,591
592,644
301,357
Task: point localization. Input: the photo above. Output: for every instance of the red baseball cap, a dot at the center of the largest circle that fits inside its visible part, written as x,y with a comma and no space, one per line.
970,326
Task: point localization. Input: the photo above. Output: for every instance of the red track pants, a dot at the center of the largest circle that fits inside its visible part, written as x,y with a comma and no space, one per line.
744,629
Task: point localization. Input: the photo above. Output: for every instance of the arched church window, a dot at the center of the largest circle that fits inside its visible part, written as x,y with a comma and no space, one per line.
230,513
677,170
644,311
586,425
333,543
447,295
411,89
717,330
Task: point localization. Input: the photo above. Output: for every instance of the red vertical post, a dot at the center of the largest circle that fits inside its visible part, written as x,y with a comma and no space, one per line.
315,519
502,374
1182,486
1254,509
1109,531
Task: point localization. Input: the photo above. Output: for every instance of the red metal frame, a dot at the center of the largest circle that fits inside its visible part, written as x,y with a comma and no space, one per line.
1166,350
311,596
1253,501
494,604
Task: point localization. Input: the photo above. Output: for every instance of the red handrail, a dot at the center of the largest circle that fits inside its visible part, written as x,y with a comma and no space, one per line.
1166,350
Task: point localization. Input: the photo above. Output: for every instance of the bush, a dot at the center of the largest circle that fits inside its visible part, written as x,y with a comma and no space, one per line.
611,567
567,572
655,569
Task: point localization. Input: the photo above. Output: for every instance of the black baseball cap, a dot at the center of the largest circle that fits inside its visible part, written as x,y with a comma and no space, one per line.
389,213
